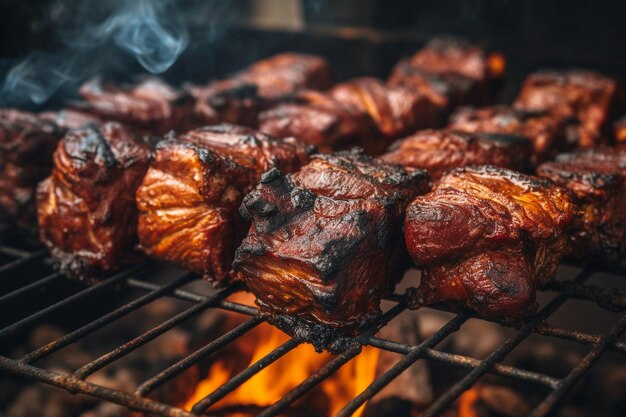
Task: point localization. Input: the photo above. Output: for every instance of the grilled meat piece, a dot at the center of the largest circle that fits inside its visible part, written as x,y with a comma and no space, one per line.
26,146
585,99
326,242
283,74
227,101
439,151
70,119
189,198
239,99
544,131
319,119
444,91
397,111
451,72
455,55
597,179
86,208
487,238
150,107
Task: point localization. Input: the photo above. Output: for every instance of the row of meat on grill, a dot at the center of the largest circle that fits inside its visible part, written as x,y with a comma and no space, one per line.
319,238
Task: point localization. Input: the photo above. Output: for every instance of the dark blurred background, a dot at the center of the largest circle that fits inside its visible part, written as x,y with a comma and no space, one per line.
358,36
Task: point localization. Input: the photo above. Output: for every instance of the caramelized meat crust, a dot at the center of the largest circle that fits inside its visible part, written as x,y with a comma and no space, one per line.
189,198
397,111
326,242
544,131
26,146
597,179
86,208
585,99
439,151
487,238
240,98
150,107
451,72
323,121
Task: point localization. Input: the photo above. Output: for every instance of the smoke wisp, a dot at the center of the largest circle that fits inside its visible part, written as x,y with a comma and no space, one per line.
97,35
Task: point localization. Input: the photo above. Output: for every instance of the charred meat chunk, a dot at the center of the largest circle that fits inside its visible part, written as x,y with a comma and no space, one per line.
86,208
189,198
150,107
323,121
439,151
239,99
487,238
544,131
397,111
26,146
326,242
597,179
452,72
585,99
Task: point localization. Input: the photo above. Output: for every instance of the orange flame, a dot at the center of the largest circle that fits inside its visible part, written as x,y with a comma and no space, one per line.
273,382
467,402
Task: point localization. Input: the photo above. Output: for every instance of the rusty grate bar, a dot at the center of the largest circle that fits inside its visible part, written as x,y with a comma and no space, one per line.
198,355
608,299
27,321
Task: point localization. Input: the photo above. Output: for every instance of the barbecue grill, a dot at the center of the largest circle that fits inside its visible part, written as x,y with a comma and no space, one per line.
16,259
373,46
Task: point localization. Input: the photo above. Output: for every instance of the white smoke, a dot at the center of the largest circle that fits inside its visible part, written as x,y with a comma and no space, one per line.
148,30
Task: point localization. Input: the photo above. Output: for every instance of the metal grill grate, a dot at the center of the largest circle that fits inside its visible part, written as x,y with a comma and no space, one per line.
26,366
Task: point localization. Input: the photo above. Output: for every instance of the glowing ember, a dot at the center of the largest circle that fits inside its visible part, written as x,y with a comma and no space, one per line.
467,403
273,382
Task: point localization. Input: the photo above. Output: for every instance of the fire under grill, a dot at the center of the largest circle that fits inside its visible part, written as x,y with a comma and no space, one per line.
16,259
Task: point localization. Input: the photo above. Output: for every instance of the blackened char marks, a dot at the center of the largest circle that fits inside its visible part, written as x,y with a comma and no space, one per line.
326,243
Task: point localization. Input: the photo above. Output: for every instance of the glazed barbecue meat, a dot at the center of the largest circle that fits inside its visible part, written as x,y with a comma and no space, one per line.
189,198
545,132
455,55
238,99
150,107
597,178
397,111
439,151
585,99
318,119
326,242
284,74
86,208
487,238
451,72
26,146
